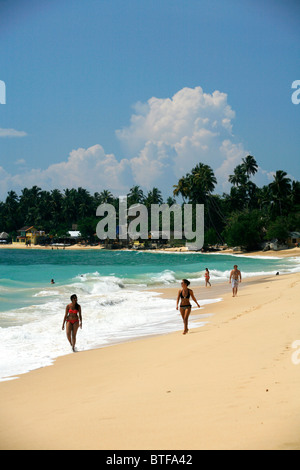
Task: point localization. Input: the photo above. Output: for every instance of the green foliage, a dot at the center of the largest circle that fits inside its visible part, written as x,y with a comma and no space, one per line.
278,229
211,237
245,229
245,216
87,227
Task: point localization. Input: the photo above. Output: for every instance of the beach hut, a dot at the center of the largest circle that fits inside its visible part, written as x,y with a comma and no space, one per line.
74,234
293,239
29,235
26,233
74,237
4,237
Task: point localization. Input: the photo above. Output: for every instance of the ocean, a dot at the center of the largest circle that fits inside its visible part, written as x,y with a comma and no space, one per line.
116,290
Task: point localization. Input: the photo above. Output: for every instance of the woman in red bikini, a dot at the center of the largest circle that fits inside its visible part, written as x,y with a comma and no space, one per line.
73,319
207,277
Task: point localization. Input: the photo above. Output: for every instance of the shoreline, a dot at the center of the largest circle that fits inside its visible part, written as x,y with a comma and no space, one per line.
230,384
288,253
198,318
208,295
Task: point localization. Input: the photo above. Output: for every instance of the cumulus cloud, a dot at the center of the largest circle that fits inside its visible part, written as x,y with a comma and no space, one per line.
90,168
12,133
165,139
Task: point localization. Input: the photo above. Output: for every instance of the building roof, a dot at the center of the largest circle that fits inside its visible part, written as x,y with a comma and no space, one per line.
74,233
4,235
26,228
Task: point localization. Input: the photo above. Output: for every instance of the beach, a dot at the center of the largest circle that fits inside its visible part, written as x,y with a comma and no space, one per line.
231,384
181,249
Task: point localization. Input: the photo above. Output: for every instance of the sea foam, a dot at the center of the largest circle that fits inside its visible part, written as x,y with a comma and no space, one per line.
111,313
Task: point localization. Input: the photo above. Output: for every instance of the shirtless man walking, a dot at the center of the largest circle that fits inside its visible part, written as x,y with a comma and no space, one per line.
235,278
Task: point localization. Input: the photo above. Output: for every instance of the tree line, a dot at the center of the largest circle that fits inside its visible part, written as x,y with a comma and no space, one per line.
246,215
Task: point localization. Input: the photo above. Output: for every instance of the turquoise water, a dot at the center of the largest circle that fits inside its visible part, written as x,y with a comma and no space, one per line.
23,271
111,289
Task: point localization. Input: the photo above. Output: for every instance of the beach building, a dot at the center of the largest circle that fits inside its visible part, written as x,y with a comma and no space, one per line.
72,237
293,239
29,235
4,237
74,234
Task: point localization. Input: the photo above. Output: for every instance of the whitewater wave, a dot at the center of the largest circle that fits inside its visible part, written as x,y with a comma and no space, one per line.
115,308
243,255
33,338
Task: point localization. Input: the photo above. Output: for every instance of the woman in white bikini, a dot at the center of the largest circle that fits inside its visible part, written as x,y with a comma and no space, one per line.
185,307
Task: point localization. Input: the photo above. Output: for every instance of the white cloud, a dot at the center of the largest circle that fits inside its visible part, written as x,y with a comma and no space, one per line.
90,168
12,133
20,161
152,167
166,138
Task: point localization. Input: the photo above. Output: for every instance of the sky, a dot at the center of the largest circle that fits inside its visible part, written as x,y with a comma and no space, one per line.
108,94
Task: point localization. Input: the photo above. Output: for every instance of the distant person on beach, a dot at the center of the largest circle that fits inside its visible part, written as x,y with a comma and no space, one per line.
52,281
73,319
207,277
185,307
235,278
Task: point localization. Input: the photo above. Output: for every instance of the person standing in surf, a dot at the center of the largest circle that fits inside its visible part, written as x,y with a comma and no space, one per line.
235,278
73,319
185,307
207,277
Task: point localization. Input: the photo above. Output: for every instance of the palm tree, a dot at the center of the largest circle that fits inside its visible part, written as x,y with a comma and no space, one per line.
182,188
11,210
29,197
250,165
197,185
84,203
280,189
171,200
69,207
56,207
154,197
42,213
203,181
106,197
135,195
236,199
252,195
29,201
264,198
239,177
295,193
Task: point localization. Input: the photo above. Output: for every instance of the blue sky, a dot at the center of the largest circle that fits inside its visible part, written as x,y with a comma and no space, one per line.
105,94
